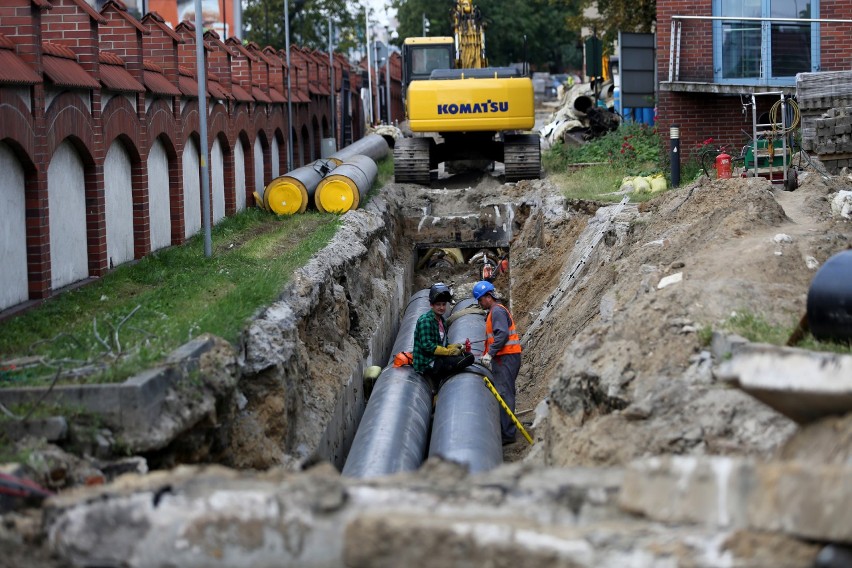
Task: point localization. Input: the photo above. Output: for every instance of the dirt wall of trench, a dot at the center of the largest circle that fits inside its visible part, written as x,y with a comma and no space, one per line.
302,358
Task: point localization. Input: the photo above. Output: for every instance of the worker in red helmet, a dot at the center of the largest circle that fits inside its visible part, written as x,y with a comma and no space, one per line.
502,353
433,357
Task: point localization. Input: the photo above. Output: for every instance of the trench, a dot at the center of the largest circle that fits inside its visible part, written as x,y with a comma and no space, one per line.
459,264
303,365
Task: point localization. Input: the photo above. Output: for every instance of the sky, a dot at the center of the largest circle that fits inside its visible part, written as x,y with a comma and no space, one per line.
381,10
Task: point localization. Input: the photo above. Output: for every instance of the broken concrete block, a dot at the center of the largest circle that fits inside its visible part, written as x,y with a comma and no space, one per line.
800,384
805,500
52,429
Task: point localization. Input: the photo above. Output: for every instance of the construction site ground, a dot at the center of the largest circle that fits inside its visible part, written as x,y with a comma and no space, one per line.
621,368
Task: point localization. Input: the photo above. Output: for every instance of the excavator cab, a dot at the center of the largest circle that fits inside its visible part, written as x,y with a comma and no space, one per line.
422,55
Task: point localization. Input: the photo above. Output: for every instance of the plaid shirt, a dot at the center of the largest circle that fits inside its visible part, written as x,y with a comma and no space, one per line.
427,336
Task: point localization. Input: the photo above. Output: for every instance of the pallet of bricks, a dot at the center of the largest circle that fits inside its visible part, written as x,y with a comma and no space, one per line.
825,103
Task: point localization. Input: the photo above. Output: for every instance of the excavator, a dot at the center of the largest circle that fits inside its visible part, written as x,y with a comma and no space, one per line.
460,109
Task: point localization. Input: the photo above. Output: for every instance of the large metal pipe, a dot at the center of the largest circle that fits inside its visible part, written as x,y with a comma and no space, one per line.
373,145
830,299
291,193
345,187
394,430
418,304
466,426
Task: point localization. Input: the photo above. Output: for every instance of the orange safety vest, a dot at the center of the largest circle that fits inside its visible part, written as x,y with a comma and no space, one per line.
513,344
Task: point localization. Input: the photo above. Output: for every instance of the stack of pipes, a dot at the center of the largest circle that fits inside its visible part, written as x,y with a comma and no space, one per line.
394,430
354,170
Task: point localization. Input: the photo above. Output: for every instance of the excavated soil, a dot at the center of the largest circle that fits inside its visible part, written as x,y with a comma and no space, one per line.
618,369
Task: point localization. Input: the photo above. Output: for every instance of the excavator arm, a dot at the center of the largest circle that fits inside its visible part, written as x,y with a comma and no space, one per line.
469,36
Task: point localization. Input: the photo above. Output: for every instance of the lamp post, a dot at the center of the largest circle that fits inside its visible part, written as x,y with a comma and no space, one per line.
331,83
202,114
369,64
289,93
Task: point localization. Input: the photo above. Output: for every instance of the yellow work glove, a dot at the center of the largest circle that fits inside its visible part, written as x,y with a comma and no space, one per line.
442,351
455,348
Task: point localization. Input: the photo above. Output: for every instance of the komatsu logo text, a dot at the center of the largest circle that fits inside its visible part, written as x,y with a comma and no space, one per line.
476,108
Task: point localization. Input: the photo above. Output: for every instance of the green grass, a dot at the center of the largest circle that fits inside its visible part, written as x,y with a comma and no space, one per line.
144,310
632,150
756,328
383,176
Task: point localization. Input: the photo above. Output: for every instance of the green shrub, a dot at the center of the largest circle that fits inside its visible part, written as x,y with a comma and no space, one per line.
633,149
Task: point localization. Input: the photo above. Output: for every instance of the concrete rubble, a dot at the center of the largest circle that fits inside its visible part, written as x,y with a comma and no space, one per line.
216,517
800,384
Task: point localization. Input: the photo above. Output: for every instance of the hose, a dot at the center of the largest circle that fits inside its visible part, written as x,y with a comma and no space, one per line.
773,117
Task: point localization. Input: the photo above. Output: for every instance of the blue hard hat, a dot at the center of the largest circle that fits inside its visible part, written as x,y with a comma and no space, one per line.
481,288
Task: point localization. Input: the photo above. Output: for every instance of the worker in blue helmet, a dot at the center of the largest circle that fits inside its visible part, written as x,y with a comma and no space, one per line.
433,357
502,354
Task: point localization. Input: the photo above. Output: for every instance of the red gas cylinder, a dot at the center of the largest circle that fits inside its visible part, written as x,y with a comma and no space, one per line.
723,166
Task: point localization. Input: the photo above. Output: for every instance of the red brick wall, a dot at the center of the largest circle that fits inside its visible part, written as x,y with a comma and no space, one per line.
836,39
122,38
160,47
186,50
240,65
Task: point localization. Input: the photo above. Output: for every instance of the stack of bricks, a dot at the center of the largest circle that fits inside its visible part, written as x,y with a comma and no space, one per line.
825,102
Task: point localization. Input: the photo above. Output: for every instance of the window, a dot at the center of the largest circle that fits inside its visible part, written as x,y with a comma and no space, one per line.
771,53
427,60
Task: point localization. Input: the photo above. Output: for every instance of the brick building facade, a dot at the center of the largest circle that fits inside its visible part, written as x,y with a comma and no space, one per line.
719,64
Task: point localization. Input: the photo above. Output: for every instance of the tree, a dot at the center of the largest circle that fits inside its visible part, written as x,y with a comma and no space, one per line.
550,42
614,16
264,23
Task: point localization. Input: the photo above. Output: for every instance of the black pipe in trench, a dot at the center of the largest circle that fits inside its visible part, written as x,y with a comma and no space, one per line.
466,426
394,430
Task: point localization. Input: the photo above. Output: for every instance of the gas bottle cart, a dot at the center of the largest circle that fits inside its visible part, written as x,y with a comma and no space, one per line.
769,154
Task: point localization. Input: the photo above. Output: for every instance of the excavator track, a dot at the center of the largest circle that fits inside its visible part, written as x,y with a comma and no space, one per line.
522,157
411,161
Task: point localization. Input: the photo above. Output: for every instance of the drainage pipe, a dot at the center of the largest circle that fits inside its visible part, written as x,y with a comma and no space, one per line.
373,145
394,430
830,299
466,426
345,187
291,193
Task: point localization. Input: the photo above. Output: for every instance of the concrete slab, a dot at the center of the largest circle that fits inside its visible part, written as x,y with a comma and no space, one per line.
133,404
52,429
801,499
802,385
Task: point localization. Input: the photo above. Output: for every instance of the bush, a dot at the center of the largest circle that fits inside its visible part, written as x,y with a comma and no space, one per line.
633,149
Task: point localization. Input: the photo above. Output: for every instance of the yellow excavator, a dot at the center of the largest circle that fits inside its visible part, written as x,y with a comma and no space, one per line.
480,114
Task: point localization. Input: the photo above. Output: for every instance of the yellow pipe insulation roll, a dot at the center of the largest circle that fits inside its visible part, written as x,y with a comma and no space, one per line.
347,185
291,193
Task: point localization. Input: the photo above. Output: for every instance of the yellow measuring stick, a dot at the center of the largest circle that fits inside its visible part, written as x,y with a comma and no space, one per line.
507,409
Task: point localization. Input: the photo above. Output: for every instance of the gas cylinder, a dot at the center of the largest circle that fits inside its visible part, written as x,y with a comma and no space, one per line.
723,166
467,345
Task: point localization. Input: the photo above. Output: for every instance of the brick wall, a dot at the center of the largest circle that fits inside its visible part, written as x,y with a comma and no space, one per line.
34,132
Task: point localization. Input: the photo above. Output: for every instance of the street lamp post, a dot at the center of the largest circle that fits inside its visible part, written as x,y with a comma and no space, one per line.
289,93
201,74
331,83
369,65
